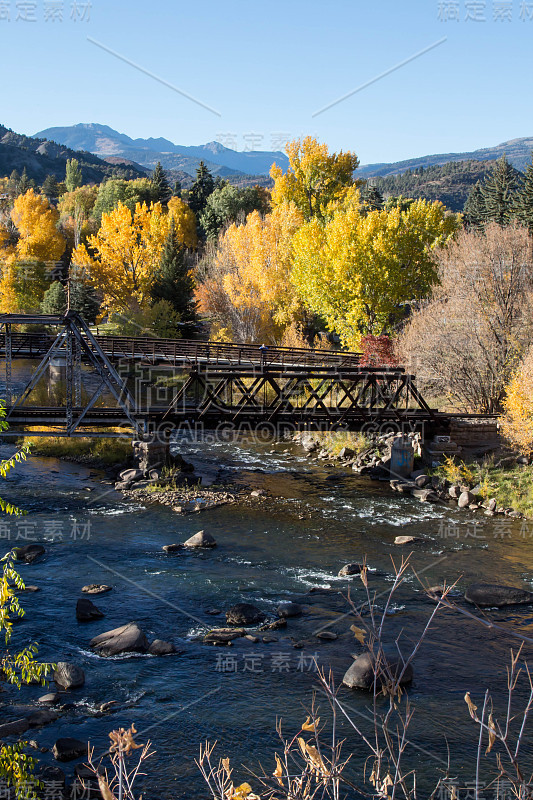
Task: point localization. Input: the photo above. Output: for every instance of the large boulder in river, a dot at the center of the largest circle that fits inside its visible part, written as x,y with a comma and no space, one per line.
67,749
287,609
161,648
68,676
350,569
223,636
96,588
126,639
244,614
130,475
486,595
361,674
86,610
28,552
200,539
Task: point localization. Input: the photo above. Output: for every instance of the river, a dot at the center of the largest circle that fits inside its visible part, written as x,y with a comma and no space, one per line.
314,519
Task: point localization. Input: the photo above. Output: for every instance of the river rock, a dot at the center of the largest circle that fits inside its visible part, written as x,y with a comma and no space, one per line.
407,539
28,552
309,444
172,548
50,699
465,498
54,780
244,614
161,648
16,728
130,475
361,673
486,595
274,626
422,481
454,491
40,717
350,569
86,611
327,636
68,676
223,636
126,639
67,749
288,610
492,505
201,539
96,588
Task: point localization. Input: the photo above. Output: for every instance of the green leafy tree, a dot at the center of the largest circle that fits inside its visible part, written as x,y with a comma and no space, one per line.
73,177
162,190
129,193
174,283
524,199
231,204
201,189
474,208
499,192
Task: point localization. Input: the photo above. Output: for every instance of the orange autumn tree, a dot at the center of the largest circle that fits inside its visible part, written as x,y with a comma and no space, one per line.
27,265
122,258
247,287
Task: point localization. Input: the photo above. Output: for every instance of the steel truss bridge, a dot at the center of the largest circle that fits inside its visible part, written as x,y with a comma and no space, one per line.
213,385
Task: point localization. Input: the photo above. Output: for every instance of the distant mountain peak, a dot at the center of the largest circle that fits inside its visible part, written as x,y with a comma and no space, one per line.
104,141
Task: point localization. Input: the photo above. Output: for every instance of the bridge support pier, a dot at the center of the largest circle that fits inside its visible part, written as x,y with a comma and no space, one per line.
152,454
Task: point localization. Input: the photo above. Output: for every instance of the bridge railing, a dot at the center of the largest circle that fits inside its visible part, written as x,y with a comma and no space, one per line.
191,352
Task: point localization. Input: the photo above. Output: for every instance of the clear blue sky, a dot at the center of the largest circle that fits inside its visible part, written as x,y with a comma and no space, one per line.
267,67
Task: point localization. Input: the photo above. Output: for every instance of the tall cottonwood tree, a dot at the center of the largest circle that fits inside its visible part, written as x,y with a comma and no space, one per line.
315,177
357,269
123,257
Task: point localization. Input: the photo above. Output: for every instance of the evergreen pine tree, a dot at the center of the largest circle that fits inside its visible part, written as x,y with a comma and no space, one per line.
499,192
371,197
54,300
174,282
524,199
50,187
83,299
177,189
474,207
24,183
161,185
203,186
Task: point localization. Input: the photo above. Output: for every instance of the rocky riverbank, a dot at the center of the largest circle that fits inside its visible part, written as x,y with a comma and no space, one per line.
372,457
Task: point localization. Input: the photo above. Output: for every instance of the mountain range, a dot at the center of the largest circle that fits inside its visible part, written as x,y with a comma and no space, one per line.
103,141
41,157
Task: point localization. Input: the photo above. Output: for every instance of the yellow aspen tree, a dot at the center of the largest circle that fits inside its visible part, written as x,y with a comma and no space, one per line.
356,270
123,257
184,222
36,223
315,177
252,266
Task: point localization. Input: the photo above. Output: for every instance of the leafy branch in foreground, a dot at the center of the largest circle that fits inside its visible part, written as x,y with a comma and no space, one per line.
16,767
